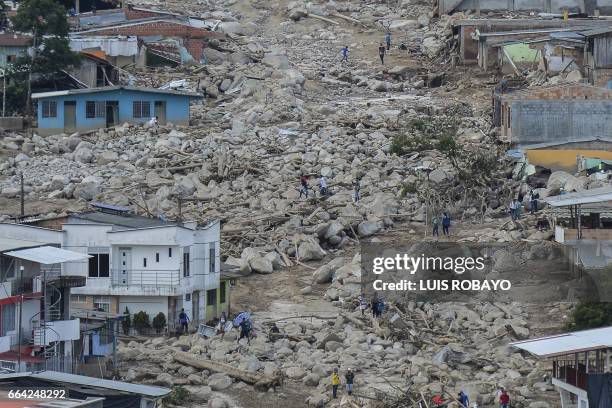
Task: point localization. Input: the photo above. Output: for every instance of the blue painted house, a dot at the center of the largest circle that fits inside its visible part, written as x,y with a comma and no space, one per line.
93,108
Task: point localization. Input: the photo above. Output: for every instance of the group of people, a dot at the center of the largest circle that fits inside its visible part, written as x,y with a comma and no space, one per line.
324,189
502,398
446,222
335,380
378,306
516,205
382,49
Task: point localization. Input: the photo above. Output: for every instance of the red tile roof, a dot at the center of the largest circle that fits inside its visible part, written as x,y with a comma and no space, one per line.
14,40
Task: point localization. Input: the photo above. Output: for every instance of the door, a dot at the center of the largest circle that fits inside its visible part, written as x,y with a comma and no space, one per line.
195,307
125,264
112,113
160,112
70,116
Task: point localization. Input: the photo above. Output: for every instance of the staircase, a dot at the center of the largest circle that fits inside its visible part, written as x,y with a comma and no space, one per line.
40,324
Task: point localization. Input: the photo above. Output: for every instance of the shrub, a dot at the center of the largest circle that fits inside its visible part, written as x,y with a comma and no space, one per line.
126,323
590,316
141,321
178,395
159,322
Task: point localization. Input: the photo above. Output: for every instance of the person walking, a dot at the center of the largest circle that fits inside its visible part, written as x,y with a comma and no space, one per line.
381,53
388,40
350,378
304,186
363,305
323,186
335,380
245,331
464,399
512,208
184,321
434,223
345,53
357,189
446,225
533,202
504,400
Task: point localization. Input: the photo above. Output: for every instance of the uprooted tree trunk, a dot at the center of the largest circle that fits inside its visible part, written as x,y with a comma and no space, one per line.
260,381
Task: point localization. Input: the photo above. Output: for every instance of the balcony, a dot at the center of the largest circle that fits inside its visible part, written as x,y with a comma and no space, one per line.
146,278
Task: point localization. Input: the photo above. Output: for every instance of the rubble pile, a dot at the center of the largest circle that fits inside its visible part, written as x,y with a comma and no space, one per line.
429,348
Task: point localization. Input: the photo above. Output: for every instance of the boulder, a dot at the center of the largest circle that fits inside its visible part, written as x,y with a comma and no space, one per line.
295,373
219,381
83,155
367,228
431,47
107,156
325,273
310,250
88,188
261,265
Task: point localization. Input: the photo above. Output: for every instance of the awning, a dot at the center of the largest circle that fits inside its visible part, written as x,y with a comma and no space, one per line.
48,255
596,195
569,343
9,244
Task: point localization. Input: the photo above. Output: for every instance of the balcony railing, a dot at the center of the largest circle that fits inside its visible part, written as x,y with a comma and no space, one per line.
576,374
147,277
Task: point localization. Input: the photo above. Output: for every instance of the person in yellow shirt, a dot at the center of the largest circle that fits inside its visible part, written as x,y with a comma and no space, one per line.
335,379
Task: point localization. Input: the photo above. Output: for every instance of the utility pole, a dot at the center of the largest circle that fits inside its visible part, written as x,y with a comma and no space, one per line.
22,195
4,93
19,335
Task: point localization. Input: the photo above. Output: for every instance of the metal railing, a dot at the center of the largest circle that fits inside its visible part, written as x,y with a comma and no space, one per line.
146,277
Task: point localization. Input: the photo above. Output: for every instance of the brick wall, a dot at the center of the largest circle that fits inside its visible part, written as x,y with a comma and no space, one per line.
164,28
571,92
138,14
194,46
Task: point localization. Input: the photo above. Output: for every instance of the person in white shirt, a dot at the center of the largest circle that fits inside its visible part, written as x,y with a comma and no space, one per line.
323,186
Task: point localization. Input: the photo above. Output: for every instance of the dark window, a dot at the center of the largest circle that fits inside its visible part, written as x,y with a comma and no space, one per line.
211,257
95,109
99,266
49,109
188,297
142,109
157,257
211,297
144,262
186,263
11,58
222,291
8,318
169,252
7,267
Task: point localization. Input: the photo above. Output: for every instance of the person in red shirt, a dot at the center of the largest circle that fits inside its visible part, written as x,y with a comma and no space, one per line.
504,400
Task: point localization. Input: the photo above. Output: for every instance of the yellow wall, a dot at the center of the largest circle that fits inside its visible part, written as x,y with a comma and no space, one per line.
563,159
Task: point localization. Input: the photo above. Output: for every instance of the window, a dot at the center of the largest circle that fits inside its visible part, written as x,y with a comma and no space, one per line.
7,267
157,257
11,58
186,262
49,109
141,109
78,298
95,109
222,291
169,252
187,297
144,262
99,263
211,297
211,257
101,303
8,318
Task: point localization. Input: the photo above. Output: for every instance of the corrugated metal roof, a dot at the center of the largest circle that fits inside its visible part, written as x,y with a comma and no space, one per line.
568,343
48,255
57,377
597,31
596,195
113,88
9,244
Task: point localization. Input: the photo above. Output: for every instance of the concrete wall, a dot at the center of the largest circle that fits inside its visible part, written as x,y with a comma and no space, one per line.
560,121
549,6
150,304
5,52
177,109
11,123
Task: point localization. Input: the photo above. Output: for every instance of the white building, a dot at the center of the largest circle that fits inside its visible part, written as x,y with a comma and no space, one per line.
36,331
577,359
137,262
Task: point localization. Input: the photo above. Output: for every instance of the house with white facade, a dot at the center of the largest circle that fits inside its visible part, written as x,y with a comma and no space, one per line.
36,328
140,263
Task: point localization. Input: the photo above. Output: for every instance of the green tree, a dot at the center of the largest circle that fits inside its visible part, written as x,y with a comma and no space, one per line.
141,321
41,17
126,323
591,316
159,322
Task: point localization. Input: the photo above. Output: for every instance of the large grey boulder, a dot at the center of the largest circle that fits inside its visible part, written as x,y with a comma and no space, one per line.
325,273
310,250
88,188
367,228
83,155
219,381
107,156
260,264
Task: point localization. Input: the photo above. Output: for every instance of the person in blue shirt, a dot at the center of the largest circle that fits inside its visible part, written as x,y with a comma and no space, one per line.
388,40
345,53
464,399
445,225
